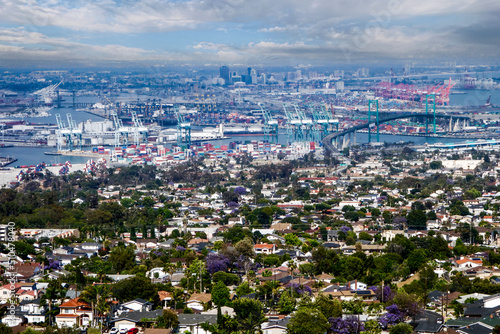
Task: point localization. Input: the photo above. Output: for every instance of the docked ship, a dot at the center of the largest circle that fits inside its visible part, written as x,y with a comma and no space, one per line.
243,129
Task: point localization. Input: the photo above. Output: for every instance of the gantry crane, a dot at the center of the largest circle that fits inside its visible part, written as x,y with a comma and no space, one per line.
139,129
307,124
293,125
270,126
183,129
74,132
120,130
71,133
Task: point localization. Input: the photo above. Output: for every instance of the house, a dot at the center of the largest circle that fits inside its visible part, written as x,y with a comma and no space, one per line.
276,326
237,220
33,311
64,250
138,304
197,301
467,262
74,313
91,246
356,286
27,270
128,320
19,289
192,322
146,243
157,273
264,249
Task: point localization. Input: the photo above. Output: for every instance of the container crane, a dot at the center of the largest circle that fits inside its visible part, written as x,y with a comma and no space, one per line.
307,124
293,125
270,126
139,129
120,130
183,129
74,132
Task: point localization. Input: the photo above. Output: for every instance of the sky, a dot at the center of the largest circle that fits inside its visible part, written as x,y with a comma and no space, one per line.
256,32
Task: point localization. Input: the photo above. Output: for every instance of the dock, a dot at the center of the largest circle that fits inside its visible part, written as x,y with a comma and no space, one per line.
6,161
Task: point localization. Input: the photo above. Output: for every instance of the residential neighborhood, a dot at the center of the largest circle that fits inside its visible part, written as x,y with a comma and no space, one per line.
358,243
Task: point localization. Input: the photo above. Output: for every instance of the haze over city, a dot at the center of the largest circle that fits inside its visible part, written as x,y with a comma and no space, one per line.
260,32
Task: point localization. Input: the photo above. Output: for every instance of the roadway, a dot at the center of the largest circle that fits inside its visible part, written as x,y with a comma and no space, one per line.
327,141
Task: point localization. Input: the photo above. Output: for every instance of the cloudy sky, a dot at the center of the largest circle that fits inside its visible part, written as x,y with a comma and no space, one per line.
267,32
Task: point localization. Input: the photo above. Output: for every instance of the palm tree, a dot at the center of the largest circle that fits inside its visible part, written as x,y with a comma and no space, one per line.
95,295
54,291
291,266
169,268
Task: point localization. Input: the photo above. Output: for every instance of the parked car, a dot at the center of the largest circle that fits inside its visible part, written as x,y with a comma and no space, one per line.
123,331
133,331
113,330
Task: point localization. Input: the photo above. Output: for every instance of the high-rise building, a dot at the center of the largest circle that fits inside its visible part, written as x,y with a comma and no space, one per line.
224,74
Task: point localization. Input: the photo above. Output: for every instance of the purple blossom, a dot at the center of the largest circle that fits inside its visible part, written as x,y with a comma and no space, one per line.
388,293
217,262
393,316
180,248
157,253
399,220
449,181
240,191
345,326
345,229
232,204
53,264
299,288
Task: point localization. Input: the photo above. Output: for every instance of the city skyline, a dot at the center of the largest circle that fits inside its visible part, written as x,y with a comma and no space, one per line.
236,32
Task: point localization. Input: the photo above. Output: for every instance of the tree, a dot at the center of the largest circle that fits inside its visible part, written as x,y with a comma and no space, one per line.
53,292
401,328
330,308
217,262
135,287
4,329
308,320
436,165
292,239
372,327
122,258
249,314
417,219
345,326
169,319
286,303
220,294
96,296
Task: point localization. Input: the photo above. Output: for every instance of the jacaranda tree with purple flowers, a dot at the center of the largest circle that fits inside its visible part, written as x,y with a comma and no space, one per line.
240,191
393,316
299,289
345,326
217,262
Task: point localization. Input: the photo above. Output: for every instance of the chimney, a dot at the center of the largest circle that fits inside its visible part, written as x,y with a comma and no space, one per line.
491,316
356,284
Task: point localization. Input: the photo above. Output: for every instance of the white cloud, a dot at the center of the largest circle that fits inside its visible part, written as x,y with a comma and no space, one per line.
315,30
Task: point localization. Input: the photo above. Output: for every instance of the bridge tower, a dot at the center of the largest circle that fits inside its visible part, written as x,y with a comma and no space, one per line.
370,103
433,96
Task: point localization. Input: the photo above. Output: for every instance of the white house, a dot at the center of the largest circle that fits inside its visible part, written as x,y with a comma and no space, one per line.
264,249
138,304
